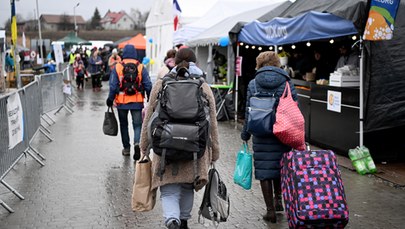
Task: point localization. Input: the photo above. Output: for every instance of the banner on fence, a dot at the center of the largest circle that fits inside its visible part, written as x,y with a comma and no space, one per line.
15,120
58,53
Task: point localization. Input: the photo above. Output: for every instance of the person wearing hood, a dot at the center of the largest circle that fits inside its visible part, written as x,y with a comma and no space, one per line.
169,63
268,150
127,102
177,191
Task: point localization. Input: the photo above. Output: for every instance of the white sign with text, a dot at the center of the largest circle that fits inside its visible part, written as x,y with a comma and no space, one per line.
15,120
334,101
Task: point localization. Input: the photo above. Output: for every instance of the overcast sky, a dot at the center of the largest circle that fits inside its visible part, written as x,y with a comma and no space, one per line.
26,8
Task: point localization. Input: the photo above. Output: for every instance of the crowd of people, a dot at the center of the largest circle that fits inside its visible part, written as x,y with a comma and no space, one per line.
178,182
91,64
318,64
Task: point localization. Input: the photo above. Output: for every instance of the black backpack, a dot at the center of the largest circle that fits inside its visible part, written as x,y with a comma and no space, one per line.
179,126
131,84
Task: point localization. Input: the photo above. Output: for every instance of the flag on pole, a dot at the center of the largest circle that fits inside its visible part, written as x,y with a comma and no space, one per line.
176,14
380,22
13,24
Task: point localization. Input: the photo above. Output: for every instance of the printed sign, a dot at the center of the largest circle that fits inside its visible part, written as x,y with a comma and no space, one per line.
15,120
380,22
57,48
238,66
334,101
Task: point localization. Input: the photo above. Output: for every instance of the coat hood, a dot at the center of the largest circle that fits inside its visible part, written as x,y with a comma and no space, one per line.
193,70
129,52
270,77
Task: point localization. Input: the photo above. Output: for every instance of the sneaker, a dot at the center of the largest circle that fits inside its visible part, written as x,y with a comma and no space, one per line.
137,152
126,152
173,225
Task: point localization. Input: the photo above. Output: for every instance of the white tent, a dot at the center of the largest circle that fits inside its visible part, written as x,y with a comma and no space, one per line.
221,10
159,26
211,36
221,29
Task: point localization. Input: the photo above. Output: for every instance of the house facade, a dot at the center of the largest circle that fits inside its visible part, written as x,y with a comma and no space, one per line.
117,21
51,22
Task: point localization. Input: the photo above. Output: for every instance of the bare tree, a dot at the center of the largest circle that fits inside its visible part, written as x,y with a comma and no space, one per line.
7,24
139,18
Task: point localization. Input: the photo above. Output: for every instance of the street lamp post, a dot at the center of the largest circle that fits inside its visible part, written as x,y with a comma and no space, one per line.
74,16
40,35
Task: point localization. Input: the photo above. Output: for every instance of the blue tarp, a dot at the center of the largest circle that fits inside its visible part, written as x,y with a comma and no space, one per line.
309,26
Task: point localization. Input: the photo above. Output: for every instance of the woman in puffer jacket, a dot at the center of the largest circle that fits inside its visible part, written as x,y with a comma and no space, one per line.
177,191
268,150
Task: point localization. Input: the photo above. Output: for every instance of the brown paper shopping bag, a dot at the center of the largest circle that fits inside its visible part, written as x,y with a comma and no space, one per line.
143,198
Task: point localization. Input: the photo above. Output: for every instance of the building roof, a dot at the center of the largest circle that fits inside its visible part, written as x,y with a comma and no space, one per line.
113,17
56,19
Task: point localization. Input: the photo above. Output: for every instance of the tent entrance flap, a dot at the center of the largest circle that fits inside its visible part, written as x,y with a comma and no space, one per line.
309,26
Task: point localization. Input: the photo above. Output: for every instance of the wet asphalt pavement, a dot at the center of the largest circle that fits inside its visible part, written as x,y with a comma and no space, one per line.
87,183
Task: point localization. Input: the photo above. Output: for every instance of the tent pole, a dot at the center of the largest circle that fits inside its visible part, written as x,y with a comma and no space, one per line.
361,90
236,89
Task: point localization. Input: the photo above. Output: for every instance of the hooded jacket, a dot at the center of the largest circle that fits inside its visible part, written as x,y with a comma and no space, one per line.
268,151
186,173
129,52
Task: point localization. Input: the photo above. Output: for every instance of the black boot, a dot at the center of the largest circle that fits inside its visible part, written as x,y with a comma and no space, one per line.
278,203
267,190
183,224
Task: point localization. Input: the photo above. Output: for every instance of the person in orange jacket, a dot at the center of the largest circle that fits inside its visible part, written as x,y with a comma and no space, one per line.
128,102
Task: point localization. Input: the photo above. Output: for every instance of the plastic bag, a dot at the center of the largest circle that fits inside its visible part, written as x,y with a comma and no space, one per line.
243,168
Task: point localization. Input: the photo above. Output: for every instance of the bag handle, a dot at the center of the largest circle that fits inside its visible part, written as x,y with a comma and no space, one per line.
108,109
244,147
287,91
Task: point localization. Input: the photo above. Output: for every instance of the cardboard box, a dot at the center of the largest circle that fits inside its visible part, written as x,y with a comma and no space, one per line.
338,80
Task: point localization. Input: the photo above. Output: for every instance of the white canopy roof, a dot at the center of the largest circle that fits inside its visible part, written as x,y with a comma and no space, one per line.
221,10
221,29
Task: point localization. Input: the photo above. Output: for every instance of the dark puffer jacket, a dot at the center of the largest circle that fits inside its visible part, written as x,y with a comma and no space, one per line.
267,150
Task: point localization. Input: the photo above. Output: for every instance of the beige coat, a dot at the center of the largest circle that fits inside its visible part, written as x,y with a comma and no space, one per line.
185,172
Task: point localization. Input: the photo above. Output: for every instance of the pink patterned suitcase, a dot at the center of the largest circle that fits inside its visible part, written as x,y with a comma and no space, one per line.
313,191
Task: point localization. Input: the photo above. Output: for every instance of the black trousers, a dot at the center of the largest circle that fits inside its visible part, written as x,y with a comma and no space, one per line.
95,80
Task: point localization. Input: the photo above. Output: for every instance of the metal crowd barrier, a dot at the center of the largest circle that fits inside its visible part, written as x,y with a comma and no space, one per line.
38,98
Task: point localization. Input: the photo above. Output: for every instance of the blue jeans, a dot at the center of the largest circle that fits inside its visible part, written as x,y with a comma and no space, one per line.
136,123
177,201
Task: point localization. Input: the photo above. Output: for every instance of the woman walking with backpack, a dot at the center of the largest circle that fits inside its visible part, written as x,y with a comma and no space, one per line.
270,79
177,180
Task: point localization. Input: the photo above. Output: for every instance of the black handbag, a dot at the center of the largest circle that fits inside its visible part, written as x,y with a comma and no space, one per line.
110,124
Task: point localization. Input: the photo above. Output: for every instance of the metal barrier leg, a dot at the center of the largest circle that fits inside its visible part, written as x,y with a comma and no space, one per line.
33,156
12,190
46,135
46,129
49,124
60,108
36,151
71,101
66,107
47,115
6,206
